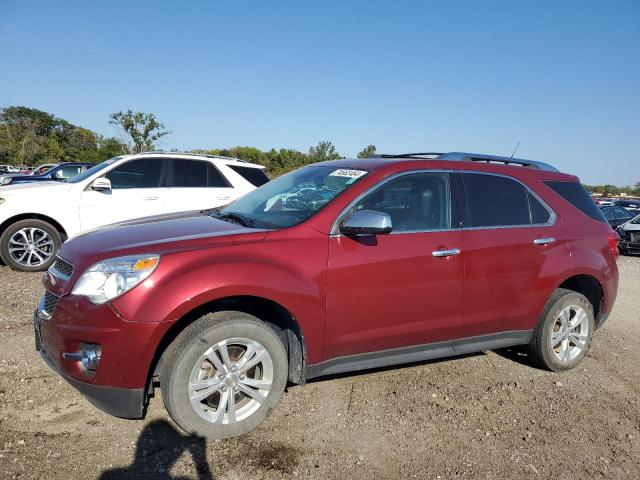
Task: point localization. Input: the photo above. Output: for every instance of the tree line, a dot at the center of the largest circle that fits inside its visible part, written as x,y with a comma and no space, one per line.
29,136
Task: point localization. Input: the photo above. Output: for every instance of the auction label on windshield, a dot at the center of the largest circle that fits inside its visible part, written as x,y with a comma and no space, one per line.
347,172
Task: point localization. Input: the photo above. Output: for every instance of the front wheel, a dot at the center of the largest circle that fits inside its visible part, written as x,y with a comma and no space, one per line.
563,335
29,245
223,375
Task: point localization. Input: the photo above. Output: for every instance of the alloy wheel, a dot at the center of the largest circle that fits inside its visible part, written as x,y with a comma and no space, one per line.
31,247
570,333
230,381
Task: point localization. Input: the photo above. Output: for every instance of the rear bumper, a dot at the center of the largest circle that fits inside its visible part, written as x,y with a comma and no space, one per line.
119,402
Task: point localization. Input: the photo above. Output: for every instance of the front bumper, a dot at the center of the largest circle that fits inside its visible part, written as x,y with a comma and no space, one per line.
119,402
119,384
628,246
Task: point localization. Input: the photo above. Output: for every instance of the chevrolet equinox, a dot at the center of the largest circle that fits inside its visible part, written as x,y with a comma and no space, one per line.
338,266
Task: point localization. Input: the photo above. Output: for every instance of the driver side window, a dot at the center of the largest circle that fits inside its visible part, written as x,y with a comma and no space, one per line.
415,202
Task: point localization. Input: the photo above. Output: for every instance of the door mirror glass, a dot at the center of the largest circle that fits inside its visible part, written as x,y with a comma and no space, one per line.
101,184
366,222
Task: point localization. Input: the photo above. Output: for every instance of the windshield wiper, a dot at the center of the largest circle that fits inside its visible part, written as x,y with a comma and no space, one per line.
235,218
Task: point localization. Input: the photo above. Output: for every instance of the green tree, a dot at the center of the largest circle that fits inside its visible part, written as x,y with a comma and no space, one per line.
110,147
141,129
368,152
324,151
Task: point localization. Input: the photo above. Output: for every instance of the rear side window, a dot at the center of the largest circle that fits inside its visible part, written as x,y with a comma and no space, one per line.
255,176
576,195
185,173
496,201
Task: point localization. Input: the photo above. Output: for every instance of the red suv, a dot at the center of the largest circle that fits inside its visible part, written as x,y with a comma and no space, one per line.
339,266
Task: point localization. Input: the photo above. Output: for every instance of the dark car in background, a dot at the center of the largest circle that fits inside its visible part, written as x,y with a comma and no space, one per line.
57,173
616,216
632,205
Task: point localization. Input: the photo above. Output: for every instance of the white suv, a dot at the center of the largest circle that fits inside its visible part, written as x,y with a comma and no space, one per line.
35,218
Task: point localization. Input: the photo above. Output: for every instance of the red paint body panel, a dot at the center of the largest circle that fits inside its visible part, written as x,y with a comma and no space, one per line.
392,292
348,296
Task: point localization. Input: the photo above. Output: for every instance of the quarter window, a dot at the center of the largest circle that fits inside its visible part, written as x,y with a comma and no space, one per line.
539,214
415,202
142,173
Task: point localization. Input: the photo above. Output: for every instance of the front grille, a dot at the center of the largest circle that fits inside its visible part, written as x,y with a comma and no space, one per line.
50,302
63,267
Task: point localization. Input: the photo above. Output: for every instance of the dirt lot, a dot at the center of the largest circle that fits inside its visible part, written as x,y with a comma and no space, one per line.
490,416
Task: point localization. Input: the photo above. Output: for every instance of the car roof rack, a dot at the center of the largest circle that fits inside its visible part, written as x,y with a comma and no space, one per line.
477,157
192,154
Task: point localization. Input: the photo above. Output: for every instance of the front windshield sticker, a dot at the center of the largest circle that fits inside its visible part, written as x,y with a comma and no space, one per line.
353,175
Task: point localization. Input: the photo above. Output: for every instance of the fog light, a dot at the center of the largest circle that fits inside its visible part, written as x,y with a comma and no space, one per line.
89,356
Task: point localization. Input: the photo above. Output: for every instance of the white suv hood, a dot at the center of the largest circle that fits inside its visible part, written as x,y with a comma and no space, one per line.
17,188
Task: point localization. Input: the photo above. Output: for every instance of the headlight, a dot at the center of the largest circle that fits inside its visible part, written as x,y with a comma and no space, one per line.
5,180
110,278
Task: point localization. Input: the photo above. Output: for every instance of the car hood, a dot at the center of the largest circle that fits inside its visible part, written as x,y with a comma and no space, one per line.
159,234
630,227
18,187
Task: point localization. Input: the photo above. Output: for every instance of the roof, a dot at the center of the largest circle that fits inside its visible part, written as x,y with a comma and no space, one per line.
199,155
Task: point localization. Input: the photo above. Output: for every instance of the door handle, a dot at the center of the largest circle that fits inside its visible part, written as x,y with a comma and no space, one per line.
151,198
446,253
224,198
544,241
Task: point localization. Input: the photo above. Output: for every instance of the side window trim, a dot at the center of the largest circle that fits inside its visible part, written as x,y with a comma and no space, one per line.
335,230
552,213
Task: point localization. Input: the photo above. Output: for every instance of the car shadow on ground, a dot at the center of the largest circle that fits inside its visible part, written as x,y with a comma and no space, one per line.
159,447
518,354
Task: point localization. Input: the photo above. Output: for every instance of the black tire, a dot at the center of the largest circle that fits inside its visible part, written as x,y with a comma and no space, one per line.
29,223
184,353
540,347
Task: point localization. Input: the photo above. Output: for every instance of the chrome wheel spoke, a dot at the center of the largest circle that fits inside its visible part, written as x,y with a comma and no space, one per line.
224,354
222,408
255,394
215,360
259,384
203,389
578,319
231,406
564,349
564,317
556,338
578,340
260,353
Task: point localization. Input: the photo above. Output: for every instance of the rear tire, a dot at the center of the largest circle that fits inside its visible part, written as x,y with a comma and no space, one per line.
563,335
223,375
30,245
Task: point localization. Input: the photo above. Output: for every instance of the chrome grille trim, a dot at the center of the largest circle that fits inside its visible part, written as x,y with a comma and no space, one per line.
62,269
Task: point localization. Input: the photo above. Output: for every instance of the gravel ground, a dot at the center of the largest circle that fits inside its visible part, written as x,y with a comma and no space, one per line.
490,415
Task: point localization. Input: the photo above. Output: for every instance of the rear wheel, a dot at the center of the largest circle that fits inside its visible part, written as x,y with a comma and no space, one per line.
29,245
564,332
223,375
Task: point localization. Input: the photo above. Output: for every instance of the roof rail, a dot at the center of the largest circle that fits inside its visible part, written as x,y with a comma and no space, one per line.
192,154
476,157
479,157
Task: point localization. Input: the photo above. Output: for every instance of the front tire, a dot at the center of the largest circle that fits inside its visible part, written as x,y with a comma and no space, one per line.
223,375
564,332
29,245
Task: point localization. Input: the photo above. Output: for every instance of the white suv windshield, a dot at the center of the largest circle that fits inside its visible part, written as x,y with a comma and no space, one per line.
291,198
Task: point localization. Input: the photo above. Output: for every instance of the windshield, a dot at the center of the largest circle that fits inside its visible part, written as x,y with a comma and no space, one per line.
291,198
635,221
92,170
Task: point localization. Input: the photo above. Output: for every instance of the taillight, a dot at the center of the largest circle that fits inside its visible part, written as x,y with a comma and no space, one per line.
613,238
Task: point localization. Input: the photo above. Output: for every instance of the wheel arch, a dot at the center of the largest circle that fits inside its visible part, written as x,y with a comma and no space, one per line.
34,216
267,310
589,286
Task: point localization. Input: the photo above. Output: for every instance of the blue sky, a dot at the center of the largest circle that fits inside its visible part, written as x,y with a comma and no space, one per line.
562,76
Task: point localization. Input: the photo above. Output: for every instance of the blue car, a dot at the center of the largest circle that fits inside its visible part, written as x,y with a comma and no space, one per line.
58,173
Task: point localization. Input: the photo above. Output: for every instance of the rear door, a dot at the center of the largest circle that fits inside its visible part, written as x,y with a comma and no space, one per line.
137,190
391,291
511,240
195,185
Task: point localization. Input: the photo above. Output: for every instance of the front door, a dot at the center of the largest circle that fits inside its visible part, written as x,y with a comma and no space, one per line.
390,291
135,192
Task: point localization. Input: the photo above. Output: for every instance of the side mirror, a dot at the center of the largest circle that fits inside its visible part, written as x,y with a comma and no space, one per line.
366,222
101,184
